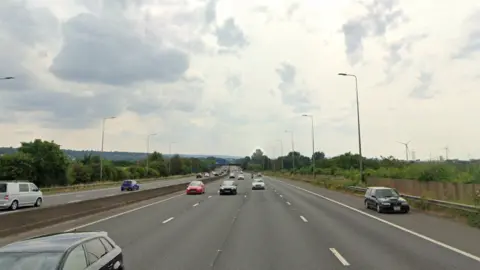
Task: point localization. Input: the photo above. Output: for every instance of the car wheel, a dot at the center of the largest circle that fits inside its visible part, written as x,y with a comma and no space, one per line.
14,206
379,210
38,203
366,205
406,211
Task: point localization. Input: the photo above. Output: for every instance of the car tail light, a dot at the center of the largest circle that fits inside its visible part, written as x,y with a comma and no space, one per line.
5,197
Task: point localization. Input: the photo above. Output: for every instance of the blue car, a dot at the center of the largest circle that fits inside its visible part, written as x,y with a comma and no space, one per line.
130,185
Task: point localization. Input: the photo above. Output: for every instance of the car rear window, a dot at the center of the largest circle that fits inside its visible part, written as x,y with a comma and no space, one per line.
3,187
195,184
127,182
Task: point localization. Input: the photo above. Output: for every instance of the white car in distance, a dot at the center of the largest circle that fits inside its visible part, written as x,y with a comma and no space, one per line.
241,177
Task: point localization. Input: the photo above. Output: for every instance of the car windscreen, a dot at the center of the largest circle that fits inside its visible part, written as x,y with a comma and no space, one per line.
30,261
386,192
195,184
227,183
258,180
3,187
127,182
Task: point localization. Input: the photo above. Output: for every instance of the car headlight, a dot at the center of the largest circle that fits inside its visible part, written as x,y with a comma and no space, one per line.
403,201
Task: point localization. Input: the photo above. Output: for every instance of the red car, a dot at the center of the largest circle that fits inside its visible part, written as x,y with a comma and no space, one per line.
196,187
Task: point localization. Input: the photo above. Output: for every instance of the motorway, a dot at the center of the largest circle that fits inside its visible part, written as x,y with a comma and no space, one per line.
73,197
284,227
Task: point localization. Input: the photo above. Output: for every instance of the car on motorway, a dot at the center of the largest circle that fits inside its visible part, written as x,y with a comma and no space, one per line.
130,185
199,175
196,187
215,174
63,251
241,176
15,194
258,183
206,174
385,199
228,187
232,176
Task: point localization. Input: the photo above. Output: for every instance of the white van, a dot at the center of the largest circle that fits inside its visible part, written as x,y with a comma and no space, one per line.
15,194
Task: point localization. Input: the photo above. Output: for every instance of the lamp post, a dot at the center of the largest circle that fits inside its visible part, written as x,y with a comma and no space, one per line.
313,143
358,125
103,139
293,148
148,150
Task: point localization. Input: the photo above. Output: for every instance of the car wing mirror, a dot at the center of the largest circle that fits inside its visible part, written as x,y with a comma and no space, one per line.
373,196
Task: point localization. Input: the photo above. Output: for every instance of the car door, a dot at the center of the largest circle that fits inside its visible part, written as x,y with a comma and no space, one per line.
35,192
96,255
25,197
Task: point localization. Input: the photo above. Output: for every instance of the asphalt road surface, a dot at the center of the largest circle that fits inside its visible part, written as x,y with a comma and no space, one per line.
73,197
281,228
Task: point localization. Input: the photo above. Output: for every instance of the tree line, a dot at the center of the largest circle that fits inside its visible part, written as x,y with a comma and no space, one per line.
45,164
347,165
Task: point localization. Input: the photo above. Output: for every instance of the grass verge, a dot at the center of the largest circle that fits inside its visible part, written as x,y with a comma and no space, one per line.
340,184
100,185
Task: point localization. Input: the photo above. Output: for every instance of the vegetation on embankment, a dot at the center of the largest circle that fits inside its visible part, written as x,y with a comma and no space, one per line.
46,165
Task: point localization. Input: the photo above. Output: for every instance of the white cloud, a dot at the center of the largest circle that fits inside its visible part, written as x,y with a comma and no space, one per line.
208,74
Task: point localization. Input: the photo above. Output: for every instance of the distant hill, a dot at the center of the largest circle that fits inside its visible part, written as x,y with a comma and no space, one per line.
130,156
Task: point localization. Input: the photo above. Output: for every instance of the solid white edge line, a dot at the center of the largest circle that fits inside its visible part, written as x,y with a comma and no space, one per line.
289,203
424,237
304,219
121,214
74,201
196,204
339,257
168,220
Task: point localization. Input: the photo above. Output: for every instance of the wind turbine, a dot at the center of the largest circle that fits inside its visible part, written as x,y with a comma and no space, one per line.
406,148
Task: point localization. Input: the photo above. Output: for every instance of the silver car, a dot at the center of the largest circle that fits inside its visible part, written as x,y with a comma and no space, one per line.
228,187
258,183
15,194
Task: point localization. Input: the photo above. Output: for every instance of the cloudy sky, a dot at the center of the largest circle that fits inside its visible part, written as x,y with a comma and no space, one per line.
225,76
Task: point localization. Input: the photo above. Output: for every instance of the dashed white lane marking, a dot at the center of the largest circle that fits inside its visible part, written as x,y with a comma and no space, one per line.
304,219
74,201
424,237
209,197
339,257
122,213
168,220
289,203
281,196
196,204
245,196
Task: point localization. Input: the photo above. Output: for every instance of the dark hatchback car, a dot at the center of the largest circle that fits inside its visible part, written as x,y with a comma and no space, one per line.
130,185
385,199
63,251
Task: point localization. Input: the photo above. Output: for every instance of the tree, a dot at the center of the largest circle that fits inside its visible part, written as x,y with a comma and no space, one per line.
176,165
49,162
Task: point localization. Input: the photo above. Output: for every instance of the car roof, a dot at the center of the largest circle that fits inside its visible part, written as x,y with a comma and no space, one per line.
16,182
59,242
380,188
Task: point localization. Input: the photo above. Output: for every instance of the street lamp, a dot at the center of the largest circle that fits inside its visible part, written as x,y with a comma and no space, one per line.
170,159
281,150
101,151
293,148
148,150
313,143
7,78
358,124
